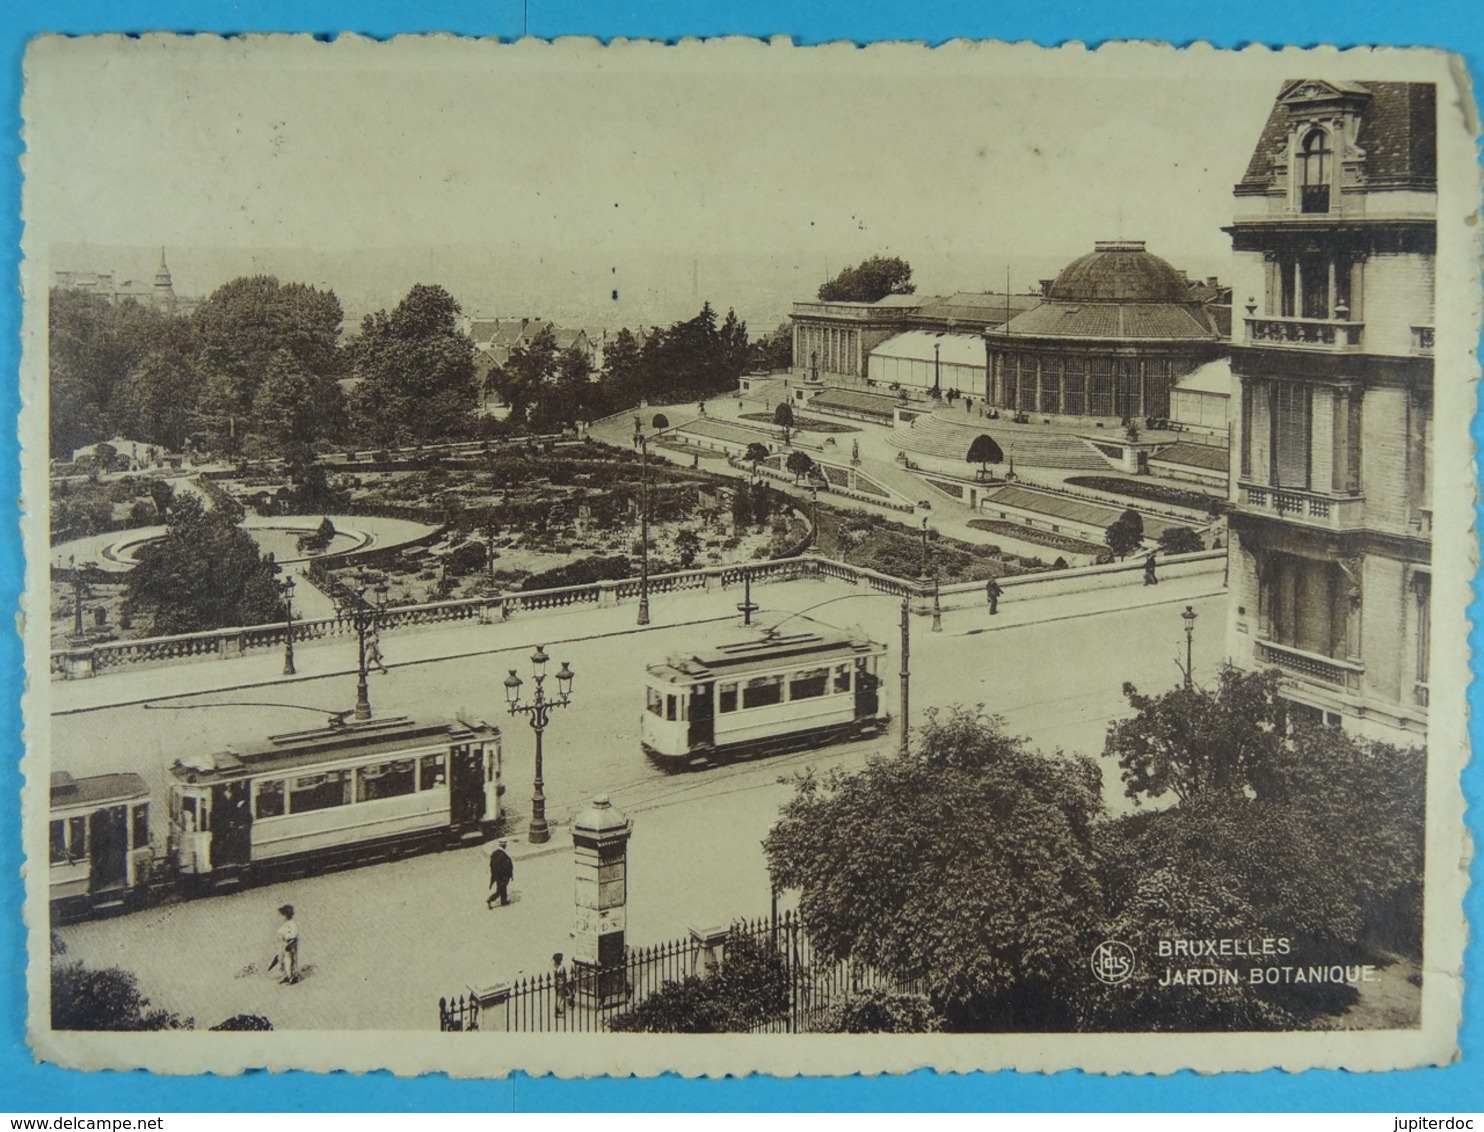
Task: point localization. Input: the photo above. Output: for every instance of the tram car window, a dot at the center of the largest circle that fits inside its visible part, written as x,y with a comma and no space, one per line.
341,794
99,841
770,693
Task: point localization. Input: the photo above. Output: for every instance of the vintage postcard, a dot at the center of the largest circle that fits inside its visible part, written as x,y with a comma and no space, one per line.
728,557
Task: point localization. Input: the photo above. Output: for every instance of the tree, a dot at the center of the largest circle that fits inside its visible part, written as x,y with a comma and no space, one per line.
869,281
1306,834
775,353
984,452
783,417
245,324
757,452
687,545
660,421
732,350
761,504
206,573
1192,743
966,864
1125,534
294,407
741,507
416,370
799,464
1180,540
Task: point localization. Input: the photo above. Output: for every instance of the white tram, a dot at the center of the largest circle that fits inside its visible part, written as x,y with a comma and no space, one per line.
100,850
333,795
760,696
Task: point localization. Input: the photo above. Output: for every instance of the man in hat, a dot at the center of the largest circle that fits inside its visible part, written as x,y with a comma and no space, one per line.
288,946
502,871
992,591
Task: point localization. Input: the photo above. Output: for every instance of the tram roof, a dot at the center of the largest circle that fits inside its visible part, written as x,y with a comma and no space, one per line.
388,735
95,790
764,654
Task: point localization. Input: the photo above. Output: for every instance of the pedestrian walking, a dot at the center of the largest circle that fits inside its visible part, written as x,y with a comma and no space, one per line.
566,993
502,871
287,959
992,591
1149,578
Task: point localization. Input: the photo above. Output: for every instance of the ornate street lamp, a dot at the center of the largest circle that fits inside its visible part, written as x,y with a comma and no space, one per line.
539,712
364,615
937,372
1188,617
643,443
288,627
926,574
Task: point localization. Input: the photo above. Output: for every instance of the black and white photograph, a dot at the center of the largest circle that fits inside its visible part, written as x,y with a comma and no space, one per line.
730,557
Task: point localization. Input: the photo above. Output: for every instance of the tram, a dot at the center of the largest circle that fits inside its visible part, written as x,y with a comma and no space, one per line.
765,695
100,848
336,795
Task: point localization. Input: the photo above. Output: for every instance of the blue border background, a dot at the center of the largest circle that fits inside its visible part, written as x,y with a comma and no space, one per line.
1451,24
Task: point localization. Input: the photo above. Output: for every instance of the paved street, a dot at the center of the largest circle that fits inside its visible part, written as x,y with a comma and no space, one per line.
383,942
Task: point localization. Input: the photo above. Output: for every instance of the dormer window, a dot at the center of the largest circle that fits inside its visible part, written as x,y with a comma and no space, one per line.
1316,171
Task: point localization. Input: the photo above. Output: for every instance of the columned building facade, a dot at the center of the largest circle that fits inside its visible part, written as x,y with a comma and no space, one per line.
1116,330
834,340
1331,524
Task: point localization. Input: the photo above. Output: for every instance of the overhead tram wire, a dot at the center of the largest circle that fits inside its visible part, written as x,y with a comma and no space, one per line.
906,671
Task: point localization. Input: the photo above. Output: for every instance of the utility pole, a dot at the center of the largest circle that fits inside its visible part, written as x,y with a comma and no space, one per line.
906,670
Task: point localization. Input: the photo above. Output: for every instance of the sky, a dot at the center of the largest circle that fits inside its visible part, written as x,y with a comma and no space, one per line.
541,179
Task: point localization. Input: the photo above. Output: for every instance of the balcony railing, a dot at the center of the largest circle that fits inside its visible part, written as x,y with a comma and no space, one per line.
1332,512
1331,334
1343,675
1422,341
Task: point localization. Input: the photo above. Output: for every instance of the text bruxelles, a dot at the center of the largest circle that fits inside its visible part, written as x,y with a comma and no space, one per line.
1224,948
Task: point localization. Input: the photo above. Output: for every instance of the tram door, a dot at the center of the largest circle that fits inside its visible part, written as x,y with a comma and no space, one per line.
466,786
231,825
702,732
867,698
108,839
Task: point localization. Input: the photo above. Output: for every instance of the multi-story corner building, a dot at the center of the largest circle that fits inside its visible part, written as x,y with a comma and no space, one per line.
1331,525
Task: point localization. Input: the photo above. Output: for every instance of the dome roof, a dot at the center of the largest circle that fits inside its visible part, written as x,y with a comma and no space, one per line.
1120,271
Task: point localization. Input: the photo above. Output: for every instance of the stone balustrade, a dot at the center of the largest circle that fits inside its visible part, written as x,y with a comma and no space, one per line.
1332,334
226,644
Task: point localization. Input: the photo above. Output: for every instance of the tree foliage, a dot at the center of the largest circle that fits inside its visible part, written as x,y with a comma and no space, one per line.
984,451
206,573
749,987
882,1012
1125,534
416,371
967,865
87,998
869,281
799,464
1192,743
1180,540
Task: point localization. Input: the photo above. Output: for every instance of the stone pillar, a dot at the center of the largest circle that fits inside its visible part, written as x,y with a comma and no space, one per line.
600,835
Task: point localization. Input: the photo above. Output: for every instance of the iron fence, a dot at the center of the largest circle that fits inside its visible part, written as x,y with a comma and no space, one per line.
589,1000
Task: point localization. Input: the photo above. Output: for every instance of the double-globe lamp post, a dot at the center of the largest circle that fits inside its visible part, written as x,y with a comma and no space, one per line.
643,444
539,712
364,616
1189,617
288,627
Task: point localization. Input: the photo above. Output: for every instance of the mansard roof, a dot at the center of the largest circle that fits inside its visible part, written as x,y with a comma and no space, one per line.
1398,128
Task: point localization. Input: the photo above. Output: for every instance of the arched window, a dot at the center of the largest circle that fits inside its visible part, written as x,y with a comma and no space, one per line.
1316,171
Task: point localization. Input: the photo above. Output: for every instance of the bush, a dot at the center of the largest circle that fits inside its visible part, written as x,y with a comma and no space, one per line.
244,1022
583,572
87,999
750,987
883,1012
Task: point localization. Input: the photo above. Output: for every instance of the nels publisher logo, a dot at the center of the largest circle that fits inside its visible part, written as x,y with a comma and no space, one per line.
1113,961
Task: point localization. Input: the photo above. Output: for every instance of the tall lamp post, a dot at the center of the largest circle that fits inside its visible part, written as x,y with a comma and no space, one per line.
933,575
364,615
1189,617
539,712
937,371
643,443
288,627
79,591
